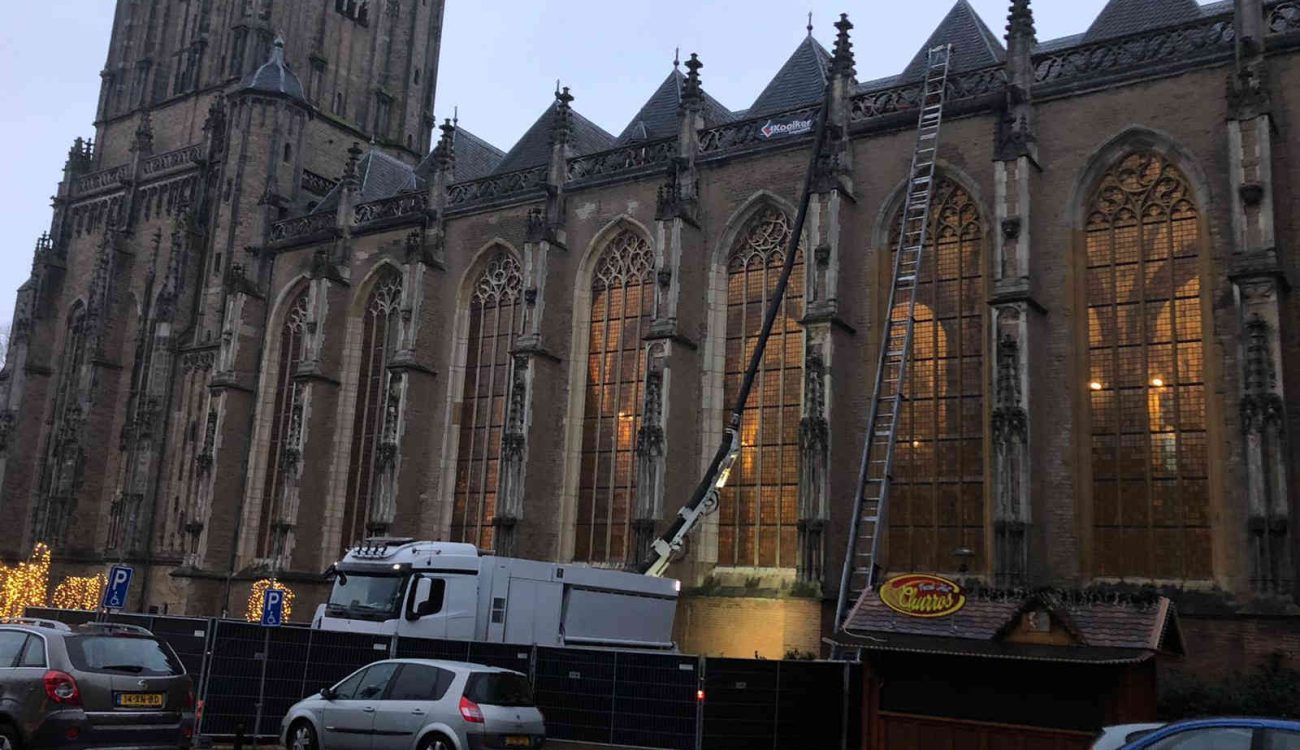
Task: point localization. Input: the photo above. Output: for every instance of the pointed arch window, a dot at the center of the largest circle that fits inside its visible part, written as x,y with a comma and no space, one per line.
282,415
937,494
379,328
622,297
495,319
65,452
758,509
1150,492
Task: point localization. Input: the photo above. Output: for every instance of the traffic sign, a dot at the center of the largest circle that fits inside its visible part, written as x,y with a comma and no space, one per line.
119,583
272,607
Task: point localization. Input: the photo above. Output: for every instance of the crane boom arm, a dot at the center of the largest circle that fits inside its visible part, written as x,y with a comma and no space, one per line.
705,498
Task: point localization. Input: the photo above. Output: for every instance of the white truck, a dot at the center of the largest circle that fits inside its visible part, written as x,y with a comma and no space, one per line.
448,590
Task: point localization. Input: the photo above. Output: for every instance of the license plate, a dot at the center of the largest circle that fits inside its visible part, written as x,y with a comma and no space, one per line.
140,700
518,740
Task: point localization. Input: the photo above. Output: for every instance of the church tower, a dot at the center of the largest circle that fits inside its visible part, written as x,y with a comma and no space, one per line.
133,364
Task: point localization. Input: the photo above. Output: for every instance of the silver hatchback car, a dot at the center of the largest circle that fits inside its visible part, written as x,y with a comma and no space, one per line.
419,704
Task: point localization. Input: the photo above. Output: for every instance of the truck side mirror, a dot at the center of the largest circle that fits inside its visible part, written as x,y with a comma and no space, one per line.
419,601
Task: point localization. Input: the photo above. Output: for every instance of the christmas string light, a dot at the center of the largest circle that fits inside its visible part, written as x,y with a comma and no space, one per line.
77,592
25,585
254,611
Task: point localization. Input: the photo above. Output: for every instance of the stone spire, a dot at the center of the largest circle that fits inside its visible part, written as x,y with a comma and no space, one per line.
692,91
842,60
562,122
1248,94
1015,136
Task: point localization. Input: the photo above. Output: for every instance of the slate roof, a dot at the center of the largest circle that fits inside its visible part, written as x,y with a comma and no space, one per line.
475,157
275,77
534,147
658,116
974,45
380,175
799,82
1122,17
1106,631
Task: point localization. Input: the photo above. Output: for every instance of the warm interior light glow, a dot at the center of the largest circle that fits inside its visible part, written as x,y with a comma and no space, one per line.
1157,382
253,613
1095,385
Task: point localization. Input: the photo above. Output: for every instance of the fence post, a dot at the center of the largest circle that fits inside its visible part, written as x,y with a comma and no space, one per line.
392,646
261,683
699,704
613,699
844,713
205,669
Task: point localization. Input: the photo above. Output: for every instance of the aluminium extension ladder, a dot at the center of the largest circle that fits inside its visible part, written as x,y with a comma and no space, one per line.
871,500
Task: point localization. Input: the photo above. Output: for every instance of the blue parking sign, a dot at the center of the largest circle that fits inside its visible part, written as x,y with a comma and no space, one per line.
272,607
119,583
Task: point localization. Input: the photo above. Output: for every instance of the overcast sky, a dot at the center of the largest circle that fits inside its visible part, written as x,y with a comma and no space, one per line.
499,65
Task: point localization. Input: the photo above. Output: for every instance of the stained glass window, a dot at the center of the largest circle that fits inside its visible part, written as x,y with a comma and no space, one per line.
1146,383
622,296
758,509
937,495
378,339
495,317
291,339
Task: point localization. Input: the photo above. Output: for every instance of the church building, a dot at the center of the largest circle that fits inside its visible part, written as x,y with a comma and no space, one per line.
267,322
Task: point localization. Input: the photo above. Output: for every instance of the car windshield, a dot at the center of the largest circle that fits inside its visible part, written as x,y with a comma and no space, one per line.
367,595
499,689
122,654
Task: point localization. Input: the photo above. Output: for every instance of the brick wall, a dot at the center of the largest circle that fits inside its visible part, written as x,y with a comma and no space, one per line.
745,627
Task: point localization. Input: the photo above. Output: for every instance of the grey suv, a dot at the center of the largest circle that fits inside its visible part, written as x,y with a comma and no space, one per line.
99,685
418,704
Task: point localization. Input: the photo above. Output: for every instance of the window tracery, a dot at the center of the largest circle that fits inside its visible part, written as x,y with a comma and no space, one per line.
1150,490
758,509
378,342
937,496
283,410
621,309
495,318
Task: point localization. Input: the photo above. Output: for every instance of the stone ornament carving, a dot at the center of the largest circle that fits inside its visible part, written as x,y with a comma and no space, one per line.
627,259
1264,424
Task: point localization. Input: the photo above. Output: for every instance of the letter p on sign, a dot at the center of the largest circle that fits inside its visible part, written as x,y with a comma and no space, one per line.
272,607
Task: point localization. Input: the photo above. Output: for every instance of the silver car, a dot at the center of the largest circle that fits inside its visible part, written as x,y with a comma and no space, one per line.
418,704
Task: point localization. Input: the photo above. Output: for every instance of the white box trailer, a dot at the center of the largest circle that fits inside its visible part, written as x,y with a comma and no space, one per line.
448,590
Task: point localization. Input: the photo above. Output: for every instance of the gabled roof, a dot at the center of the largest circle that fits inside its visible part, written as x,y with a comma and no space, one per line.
380,176
1122,17
275,77
534,148
799,82
1101,629
973,45
658,116
475,157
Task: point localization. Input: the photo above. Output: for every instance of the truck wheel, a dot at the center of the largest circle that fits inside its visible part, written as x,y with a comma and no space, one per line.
9,738
301,737
436,742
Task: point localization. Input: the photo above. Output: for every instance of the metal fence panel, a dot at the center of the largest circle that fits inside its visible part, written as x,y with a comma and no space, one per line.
188,637
334,655
501,655
574,688
655,700
233,685
740,704
810,706
432,648
286,668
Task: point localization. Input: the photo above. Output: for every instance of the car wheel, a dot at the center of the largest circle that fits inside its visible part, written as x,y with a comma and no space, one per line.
436,742
301,737
9,738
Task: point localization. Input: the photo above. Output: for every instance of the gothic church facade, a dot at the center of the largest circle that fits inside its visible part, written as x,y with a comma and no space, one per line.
265,324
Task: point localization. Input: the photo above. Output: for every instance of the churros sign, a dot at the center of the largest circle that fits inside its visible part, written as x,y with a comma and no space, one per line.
918,595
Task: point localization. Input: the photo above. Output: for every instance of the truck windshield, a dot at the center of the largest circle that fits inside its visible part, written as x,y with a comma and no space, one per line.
366,596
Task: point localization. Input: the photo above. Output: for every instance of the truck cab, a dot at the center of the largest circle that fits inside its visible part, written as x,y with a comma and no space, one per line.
451,591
